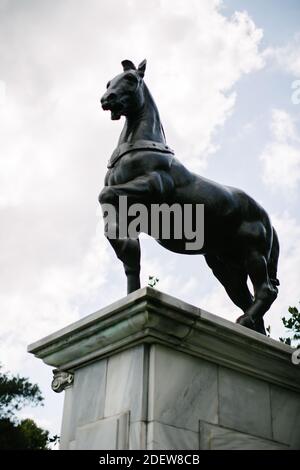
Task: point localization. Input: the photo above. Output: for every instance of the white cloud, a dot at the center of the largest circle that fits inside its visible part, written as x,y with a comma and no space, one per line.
286,57
196,83
283,126
281,157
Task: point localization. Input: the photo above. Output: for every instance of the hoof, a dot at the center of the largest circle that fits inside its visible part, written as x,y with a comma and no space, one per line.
256,325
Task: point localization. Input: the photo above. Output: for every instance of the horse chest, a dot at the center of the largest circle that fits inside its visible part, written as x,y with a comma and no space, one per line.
135,164
122,172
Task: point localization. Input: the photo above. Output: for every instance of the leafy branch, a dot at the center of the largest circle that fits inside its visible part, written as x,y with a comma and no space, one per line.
292,324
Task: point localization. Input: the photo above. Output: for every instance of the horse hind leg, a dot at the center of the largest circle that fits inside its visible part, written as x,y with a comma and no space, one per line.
264,292
234,280
273,260
255,241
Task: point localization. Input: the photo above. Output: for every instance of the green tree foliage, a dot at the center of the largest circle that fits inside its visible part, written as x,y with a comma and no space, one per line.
15,393
22,436
152,281
292,324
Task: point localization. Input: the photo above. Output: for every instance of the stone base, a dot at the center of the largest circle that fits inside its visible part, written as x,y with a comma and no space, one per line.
152,372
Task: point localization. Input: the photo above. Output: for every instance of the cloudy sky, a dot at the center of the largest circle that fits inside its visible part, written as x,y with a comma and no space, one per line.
224,75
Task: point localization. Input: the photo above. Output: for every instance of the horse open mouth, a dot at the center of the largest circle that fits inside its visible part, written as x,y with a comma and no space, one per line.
115,114
116,111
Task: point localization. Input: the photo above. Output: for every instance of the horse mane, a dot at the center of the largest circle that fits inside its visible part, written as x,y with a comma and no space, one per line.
148,96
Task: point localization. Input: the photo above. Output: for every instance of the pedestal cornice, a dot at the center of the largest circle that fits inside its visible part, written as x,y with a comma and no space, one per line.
150,316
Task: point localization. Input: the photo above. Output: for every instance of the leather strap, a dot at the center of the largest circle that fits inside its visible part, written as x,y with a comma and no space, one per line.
138,145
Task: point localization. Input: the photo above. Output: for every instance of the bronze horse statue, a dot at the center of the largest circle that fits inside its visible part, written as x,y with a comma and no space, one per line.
239,240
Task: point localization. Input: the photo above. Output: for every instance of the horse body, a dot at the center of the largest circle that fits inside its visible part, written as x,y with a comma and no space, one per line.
239,240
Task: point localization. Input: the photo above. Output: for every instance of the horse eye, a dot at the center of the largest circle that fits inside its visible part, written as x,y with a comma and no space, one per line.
130,78
108,85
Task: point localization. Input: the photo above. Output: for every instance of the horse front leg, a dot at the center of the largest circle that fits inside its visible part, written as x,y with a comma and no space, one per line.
144,189
128,251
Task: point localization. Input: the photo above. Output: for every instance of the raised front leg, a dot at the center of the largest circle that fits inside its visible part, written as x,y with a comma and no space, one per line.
153,187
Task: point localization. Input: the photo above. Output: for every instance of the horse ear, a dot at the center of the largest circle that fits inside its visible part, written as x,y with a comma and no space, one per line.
128,65
141,68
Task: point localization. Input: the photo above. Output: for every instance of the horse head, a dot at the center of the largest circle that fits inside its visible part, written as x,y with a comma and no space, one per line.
125,92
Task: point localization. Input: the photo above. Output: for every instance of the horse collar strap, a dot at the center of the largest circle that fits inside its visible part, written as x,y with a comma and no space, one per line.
122,149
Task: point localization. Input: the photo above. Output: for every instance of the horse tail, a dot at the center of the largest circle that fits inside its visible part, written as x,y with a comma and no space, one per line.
273,260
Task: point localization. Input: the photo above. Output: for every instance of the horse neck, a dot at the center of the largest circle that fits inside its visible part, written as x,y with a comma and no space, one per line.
144,124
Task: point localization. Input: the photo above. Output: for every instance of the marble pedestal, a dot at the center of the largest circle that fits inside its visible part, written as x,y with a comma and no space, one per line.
152,372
